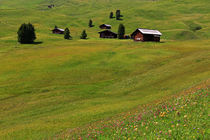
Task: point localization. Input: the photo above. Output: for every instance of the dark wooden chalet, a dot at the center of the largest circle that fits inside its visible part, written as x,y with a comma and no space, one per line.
107,34
146,35
105,26
58,31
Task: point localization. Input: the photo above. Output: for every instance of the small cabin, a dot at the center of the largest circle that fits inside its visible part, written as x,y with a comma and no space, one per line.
107,34
146,35
58,31
105,26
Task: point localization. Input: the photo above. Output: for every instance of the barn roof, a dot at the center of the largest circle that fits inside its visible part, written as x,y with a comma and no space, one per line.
107,31
148,31
59,29
107,25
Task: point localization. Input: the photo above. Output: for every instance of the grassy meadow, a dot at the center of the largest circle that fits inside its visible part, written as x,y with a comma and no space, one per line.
54,85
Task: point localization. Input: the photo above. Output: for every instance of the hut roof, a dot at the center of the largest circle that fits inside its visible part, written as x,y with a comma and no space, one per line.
58,29
107,25
148,31
107,31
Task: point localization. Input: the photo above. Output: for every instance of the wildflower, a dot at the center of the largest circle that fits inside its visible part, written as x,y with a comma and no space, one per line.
185,116
160,132
169,131
178,113
172,125
177,124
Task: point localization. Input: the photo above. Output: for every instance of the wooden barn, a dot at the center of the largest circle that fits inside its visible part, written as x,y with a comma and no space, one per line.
146,35
105,26
58,31
107,34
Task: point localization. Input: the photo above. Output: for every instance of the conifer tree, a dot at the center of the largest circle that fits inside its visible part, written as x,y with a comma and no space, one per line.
111,15
118,15
121,31
83,35
90,23
67,34
26,33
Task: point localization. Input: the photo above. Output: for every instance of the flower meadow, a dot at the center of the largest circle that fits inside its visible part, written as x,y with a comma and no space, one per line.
183,116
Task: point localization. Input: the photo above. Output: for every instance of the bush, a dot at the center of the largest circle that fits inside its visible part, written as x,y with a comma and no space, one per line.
194,27
26,33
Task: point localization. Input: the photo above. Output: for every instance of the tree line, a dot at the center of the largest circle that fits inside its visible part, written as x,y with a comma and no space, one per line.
26,33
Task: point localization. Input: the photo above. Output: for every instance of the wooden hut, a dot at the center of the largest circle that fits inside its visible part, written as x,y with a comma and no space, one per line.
107,34
105,26
146,35
58,31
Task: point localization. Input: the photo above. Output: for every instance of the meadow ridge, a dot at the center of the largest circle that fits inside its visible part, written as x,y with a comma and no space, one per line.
55,85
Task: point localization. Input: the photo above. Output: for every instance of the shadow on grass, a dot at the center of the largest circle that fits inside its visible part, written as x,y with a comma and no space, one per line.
37,43
120,19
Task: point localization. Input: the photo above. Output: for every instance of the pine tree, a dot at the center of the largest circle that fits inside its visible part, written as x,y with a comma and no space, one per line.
90,23
67,34
111,15
118,15
83,35
26,33
121,31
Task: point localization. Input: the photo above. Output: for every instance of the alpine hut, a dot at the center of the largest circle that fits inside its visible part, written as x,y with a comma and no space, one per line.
146,35
107,34
58,31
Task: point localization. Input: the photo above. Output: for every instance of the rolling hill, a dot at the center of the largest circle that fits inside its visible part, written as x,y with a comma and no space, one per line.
54,85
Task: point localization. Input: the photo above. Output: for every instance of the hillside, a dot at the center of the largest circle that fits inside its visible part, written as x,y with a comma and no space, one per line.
55,85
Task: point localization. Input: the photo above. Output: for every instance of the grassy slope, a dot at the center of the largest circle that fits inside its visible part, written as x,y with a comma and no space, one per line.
49,87
178,117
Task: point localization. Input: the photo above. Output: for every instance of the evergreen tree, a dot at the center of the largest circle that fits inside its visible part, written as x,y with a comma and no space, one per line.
83,35
26,33
121,31
90,23
111,15
67,34
118,14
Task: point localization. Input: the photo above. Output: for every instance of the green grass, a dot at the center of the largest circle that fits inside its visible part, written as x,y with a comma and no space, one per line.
180,117
48,88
